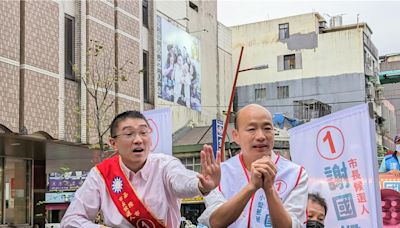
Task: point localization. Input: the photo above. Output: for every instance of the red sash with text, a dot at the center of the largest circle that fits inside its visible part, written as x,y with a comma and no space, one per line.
124,196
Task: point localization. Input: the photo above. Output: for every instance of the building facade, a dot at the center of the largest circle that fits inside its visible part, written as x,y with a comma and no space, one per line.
47,112
390,78
313,70
187,32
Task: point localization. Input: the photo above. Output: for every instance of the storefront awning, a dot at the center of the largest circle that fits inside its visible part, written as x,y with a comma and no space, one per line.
391,76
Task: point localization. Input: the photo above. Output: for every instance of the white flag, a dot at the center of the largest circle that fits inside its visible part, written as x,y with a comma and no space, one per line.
160,122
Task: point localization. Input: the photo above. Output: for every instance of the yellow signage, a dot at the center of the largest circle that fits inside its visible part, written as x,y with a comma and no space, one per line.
197,199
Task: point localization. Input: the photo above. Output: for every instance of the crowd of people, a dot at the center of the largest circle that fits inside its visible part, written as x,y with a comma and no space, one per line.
180,79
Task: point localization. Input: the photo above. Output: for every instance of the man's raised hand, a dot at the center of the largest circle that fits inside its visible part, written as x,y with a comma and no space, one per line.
210,175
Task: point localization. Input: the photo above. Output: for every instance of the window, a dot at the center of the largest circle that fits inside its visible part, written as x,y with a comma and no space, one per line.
283,31
260,94
283,91
146,83
192,163
16,188
193,6
289,62
69,46
145,13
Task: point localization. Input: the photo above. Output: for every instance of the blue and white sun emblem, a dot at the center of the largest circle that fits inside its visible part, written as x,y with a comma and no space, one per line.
117,185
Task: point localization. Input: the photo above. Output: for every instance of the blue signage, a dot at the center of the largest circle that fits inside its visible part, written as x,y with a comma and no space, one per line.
59,197
217,130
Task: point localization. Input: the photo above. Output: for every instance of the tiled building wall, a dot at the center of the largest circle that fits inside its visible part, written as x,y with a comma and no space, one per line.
150,105
125,105
100,27
9,29
41,103
72,113
9,96
9,73
41,35
128,52
41,51
101,11
41,62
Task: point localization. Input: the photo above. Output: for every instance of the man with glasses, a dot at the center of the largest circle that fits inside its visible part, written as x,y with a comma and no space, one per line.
136,188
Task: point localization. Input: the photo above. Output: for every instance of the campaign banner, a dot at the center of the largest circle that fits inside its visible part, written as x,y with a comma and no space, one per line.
160,121
338,152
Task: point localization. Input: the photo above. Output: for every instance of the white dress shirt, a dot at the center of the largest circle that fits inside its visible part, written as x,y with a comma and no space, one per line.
160,184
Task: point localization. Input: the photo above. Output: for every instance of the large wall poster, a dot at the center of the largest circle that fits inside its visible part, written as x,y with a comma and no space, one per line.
178,65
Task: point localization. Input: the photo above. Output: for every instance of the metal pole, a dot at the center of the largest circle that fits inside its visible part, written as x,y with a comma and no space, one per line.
228,114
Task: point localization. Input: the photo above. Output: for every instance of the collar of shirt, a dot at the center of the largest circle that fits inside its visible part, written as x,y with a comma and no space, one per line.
144,172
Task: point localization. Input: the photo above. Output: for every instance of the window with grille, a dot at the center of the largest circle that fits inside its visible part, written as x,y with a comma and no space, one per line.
69,46
260,94
289,62
283,91
284,31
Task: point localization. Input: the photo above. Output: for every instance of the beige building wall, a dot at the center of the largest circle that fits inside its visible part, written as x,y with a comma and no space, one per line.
225,74
345,49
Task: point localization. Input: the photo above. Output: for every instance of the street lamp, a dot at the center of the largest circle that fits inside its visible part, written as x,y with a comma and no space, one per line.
260,67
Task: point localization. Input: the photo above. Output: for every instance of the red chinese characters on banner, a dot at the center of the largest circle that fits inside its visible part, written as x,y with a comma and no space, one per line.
358,185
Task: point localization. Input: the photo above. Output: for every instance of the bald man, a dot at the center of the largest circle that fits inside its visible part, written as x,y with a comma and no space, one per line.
258,188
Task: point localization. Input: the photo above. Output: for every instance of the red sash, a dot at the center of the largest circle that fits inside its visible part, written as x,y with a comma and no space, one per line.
124,196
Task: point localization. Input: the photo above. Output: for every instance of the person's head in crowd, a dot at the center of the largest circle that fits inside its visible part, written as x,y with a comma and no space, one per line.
316,210
254,131
130,137
177,50
179,60
397,143
184,52
170,48
170,59
192,71
188,60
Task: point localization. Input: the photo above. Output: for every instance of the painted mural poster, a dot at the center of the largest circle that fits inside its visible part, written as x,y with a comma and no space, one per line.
178,65
338,152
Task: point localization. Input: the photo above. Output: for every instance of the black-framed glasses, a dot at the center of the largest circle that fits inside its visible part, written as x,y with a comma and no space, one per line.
132,134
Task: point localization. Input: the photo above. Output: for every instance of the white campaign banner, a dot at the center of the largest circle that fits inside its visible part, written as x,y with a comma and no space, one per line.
338,152
160,122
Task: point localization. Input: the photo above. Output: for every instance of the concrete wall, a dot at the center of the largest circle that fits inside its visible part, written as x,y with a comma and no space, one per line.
344,94
390,124
225,73
320,54
392,94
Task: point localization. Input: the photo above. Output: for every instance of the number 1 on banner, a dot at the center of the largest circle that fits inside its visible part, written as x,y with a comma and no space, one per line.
278,186
328,137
